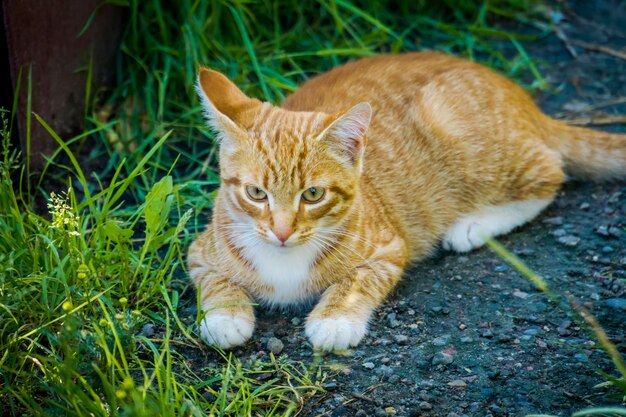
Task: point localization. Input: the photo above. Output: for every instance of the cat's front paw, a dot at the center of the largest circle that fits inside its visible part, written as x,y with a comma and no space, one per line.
225,330
334,333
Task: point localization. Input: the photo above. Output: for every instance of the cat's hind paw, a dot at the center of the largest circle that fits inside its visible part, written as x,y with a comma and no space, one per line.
464,236
225,330
335,333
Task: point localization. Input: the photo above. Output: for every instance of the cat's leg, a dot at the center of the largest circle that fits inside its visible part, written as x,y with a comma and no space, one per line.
340,318
228,315
473,230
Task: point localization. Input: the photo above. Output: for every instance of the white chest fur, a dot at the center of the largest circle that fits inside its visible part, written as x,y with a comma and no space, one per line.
286,270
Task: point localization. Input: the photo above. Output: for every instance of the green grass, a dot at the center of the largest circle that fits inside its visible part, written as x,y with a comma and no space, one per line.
85,269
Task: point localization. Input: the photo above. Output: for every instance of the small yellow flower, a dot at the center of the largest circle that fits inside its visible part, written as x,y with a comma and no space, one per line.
123,301
67,306
103,322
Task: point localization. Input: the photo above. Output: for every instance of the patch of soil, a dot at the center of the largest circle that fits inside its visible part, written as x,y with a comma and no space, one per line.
467,335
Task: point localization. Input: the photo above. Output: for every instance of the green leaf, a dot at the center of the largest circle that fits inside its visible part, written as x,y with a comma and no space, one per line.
158,206
117,234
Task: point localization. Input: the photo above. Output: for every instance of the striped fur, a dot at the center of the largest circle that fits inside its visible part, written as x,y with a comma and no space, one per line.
439,148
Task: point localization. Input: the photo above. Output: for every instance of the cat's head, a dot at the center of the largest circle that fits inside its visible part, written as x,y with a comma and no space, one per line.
288,178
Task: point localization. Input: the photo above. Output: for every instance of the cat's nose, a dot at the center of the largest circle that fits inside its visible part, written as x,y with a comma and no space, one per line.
282,233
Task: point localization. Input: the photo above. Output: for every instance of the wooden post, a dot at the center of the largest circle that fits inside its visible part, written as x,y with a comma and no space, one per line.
43,37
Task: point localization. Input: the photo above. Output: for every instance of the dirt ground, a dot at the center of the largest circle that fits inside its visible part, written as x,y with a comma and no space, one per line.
467,335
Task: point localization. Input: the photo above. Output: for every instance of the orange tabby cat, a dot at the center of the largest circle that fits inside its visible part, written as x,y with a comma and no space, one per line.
364,169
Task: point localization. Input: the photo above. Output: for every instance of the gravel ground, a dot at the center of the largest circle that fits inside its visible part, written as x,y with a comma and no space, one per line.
467,335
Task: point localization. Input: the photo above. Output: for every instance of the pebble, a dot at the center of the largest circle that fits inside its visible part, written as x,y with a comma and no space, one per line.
556,221
500,268
607,249
275,345
384,370
393,321
296,321
617,303
425,405
487,333
390,411
585,206
466,339
581,357
615,232
457,383
563,328
380,412
559,232
569,240
441,340
524,252
541,343
602,231
401,339
442,358
369,365
520,294
147,330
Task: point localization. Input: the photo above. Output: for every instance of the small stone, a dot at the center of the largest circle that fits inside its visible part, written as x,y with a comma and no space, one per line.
500,268
369,365
607,249
380,412
390,411
441,340
385,370
457,383
615,232
603,231
466,339
584,206
569,240
360,413
275,345
555,221
581,357
559,233
147,330
487,333
563,329
617,303
541,343
425,405
494,375
401,339
442,358
296,321
520,294
524,252
437,309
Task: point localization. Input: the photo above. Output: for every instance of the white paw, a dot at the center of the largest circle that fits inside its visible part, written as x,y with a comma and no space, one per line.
226,331
334,333
464,236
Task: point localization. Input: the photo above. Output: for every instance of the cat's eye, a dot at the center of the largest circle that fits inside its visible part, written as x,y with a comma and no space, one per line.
255,193
313,194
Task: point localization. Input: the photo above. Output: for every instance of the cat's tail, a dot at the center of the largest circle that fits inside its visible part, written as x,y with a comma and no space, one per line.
588,153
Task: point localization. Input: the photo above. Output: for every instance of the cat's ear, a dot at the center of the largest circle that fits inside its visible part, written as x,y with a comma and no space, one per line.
346,134
226,107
